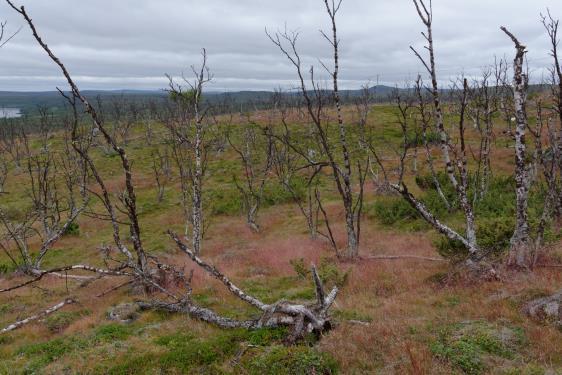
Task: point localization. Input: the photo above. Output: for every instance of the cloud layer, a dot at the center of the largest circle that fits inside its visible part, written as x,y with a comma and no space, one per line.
131,44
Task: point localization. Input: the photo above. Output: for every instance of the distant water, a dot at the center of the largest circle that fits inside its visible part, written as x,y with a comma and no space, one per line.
10,112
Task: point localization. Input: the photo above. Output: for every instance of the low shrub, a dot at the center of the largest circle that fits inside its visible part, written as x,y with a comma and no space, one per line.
73,229
328,271
294,360
58,322
470,345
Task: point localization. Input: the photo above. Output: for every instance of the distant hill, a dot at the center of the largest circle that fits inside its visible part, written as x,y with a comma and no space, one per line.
29,101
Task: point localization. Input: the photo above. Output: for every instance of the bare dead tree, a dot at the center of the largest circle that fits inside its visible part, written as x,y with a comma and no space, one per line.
255,151
546,159
457,168
287,165
551,26
374,165
162,169
426,16
4,39
425,119
484,104
468,239
521,253
11,142
342,171
3,172
300,318
191,131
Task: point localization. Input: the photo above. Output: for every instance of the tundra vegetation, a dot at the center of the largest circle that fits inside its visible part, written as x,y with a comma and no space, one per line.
312,233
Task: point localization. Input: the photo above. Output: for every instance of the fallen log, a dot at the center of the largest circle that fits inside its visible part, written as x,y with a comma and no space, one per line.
42,314
301,319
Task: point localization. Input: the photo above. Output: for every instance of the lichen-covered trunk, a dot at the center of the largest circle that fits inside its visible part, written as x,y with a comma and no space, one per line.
197,209
521,252
352,250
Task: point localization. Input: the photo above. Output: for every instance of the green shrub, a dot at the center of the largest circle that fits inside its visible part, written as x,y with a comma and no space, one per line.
448,248
432,138
113,332
58,322
295,360
302,270
225,201
495,234
394,210
6,268
469,345
186,352
41,354
73,229
328,271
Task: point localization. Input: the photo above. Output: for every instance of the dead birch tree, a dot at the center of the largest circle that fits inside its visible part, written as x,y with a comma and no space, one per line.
4,39
255,151
457,168
425,14
551,26
191,132
288,154
338,156
162,170
521,252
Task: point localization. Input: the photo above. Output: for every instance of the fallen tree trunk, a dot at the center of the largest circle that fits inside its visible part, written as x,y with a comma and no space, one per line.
299,318
32,318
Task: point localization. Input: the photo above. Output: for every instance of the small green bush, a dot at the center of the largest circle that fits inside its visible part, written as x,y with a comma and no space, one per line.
41,354
468,345
225,201
113,332
73,229
328,271
391,211
58,322
185,352
6,268
280,360
414,139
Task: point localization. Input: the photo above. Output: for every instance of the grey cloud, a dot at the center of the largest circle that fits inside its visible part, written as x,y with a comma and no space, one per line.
132,43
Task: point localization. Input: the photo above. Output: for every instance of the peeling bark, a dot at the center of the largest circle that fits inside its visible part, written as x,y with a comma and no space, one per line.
521,252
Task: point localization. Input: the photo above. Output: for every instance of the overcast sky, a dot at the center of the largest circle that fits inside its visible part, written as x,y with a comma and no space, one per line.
131,44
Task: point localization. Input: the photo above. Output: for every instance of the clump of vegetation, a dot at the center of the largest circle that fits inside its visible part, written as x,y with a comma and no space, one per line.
40,355
280,360
471,345
58,322
328,270
6,268
494,213
73,229
113,332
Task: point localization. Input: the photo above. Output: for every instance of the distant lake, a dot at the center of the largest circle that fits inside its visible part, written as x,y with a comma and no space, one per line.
10,112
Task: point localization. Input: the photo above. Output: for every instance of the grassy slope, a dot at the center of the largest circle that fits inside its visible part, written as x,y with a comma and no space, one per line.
414,322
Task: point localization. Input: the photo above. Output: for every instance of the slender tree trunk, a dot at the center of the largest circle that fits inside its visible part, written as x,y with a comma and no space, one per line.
197,190
521,252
